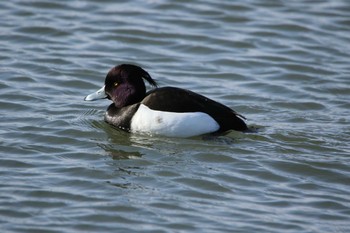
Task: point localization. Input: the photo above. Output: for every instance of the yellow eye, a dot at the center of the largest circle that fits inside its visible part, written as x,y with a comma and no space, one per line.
115,84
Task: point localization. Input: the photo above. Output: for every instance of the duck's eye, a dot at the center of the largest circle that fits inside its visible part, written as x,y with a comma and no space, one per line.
115,84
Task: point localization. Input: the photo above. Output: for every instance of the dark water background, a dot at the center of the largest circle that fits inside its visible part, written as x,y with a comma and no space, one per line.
285,65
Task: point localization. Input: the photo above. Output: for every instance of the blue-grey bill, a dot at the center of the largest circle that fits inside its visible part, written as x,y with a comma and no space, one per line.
100,94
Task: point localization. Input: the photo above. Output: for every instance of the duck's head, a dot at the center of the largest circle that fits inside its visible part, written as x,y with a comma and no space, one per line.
124,85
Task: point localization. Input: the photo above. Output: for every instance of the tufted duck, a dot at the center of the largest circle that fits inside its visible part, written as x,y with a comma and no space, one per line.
167,111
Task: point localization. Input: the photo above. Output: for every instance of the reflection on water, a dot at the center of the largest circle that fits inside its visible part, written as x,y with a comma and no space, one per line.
283,65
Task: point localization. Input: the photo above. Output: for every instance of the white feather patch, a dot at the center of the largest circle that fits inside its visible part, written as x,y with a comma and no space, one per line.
172,124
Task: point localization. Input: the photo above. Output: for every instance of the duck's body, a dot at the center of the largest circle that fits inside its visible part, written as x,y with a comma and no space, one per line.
168,111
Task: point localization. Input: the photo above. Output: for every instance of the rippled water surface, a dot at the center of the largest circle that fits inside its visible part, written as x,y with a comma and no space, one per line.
283,64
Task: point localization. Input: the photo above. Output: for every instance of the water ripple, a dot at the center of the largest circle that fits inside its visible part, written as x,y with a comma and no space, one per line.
283,65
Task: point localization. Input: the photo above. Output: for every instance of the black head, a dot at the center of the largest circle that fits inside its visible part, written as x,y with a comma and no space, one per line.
124,84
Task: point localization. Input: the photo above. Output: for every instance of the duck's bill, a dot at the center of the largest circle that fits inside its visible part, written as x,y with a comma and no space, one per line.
100,94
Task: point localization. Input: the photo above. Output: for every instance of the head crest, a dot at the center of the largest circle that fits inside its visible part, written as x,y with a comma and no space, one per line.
139,72
145,75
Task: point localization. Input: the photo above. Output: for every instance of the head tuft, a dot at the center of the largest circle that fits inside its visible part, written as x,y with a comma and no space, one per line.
137,71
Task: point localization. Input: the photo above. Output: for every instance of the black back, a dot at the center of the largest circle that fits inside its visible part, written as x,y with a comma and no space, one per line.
174,99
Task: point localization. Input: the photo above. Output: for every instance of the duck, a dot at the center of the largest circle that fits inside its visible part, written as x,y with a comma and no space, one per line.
166,111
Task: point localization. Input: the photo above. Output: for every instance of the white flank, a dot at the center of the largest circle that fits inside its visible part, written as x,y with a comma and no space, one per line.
172,124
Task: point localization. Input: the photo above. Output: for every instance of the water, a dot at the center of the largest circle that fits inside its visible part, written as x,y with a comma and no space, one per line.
282,64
